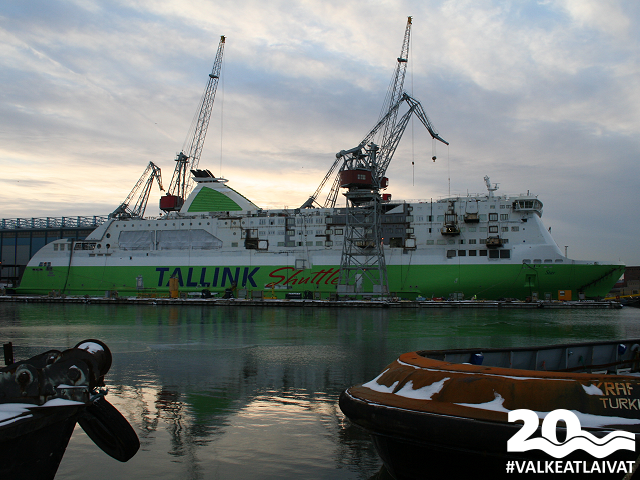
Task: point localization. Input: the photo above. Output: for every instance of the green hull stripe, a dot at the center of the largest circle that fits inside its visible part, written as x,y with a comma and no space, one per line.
482,281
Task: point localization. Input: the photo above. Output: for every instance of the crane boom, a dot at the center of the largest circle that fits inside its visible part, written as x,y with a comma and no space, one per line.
125,210
384,136
181,181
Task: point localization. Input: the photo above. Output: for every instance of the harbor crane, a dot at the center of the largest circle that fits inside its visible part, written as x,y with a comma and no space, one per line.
189,157
141,189
361,170
385,136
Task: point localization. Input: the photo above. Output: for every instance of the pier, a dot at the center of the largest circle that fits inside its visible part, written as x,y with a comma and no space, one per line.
240,302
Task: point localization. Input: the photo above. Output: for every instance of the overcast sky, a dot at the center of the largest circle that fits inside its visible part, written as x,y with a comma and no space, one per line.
542,96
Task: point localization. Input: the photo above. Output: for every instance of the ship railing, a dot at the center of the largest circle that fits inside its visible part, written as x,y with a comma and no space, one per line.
52,222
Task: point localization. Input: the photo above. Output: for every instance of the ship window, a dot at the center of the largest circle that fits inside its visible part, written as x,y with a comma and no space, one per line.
309,244
483,253
504,229
462,253
504,216
537,260
281,244
548,260
482,229
494,254
430,242
505,253
429,230
319,244
338,231
461,241
472,241
483,217
442,242
108,235
328,243
197,239
493,217
441,218
515,229
472,229
451,253
559,260
55,247
526,260
234,244
472,253
493,229
430,218
451,241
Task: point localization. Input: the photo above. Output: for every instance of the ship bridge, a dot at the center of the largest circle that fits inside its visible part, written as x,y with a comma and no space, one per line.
527,204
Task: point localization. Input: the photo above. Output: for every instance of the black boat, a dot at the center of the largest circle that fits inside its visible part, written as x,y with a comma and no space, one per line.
42,399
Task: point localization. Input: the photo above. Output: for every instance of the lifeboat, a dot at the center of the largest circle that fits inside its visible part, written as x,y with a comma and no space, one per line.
458,413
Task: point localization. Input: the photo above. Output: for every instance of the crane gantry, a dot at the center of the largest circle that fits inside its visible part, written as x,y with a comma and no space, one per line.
181,182
361,170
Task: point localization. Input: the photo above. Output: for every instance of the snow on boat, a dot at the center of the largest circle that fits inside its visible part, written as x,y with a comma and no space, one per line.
42,398
445,414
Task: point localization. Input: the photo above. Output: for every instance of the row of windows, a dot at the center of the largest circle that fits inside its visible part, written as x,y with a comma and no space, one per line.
462,241
481,253
492,217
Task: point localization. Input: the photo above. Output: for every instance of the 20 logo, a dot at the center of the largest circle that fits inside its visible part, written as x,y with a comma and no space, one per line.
577,439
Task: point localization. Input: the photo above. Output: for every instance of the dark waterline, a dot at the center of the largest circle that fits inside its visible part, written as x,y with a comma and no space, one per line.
232,392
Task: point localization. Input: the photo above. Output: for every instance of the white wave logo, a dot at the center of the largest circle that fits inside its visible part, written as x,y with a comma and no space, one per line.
577,439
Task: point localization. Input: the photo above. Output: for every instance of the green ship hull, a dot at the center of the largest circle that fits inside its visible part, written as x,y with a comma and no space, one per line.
518,281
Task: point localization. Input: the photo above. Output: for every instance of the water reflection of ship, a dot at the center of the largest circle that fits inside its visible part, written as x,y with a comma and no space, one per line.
193,379
215,369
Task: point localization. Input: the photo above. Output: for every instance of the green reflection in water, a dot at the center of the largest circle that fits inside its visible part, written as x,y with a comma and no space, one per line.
236,392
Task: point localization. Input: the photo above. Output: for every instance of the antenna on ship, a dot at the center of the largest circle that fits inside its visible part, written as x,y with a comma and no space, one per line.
489,187
181,182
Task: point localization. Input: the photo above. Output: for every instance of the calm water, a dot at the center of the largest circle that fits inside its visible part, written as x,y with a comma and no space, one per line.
251,393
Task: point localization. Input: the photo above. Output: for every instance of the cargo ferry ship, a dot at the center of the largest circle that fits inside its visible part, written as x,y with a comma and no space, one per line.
481,246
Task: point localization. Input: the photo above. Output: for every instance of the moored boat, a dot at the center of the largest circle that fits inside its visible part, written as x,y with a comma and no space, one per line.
449,414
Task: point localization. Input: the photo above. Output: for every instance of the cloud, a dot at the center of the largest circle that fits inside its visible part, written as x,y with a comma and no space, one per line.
539,95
